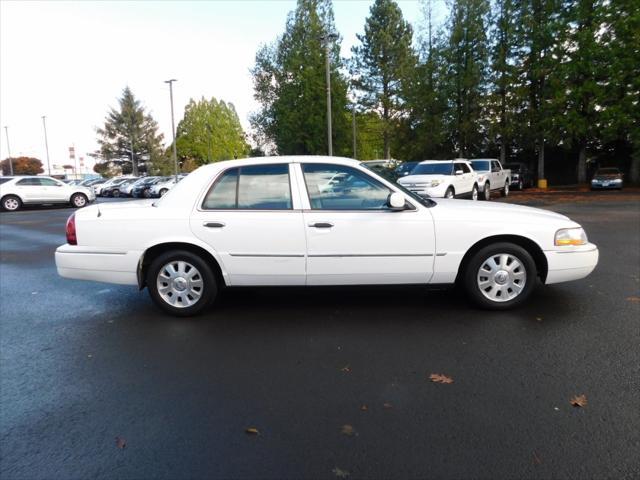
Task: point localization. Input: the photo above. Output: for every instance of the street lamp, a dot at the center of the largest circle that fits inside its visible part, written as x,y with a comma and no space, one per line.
328,39
6,131
46,142
173,128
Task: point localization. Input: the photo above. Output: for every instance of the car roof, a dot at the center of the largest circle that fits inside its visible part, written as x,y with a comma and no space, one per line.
280,159
426,162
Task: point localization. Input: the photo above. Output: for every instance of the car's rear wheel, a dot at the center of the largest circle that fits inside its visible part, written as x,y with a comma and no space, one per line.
116,193
163,191
449,193
505,190
486,193
11,203
500,276
79,200
181,283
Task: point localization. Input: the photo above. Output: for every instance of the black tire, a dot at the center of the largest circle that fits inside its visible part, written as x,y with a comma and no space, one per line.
116,193
209,285
474,192
79,200
505,191
11,203
486,193
470,276
163,191
450,193
146,193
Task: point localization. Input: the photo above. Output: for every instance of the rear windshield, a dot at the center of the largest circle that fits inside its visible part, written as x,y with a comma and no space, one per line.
432,169
481,165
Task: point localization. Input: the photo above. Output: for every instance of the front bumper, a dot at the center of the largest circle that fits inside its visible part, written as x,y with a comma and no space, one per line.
606,185
97,264
573,264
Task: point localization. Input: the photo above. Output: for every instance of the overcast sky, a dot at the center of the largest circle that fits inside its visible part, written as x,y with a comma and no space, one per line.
71,60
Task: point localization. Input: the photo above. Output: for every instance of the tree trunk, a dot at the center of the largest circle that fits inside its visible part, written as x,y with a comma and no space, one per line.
634,170
582,164
503,153
541,159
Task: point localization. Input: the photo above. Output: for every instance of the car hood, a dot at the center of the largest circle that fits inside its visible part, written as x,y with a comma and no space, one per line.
509,213
610,176
421,178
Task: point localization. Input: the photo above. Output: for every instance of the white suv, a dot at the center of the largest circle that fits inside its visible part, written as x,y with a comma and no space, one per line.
443,179
18,191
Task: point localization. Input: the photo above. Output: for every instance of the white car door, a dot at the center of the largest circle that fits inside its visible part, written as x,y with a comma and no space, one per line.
54,191
29,190
497,175
463,181
252,218
353,237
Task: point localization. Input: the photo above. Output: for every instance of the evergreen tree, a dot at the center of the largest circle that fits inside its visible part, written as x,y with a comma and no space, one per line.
382,64
130,137
466,58
209,132
289,82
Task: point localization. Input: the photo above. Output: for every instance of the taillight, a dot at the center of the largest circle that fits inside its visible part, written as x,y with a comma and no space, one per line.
71,230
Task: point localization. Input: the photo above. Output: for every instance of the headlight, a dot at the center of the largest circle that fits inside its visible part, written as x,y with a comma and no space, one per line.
618,180
594,181
435,183
570,236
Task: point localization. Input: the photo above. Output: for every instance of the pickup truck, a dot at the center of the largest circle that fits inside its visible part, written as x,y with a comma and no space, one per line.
491,177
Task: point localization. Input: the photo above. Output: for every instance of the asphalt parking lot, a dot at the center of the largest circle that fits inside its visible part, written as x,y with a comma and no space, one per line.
335,381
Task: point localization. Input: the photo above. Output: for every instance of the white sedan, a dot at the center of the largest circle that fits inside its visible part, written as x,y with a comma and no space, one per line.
22,190
317,221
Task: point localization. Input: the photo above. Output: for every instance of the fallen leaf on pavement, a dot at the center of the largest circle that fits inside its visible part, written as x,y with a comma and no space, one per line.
579,401
536,458
387,405
338,472
346,369
364,408
539,319
121,442
252,431
440,378
633,299
348,430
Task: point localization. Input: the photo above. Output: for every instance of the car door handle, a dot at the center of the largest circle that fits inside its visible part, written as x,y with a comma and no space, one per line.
213,224
321,225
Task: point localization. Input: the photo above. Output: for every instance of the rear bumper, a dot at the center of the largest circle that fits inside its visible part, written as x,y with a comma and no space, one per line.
570,265
97,264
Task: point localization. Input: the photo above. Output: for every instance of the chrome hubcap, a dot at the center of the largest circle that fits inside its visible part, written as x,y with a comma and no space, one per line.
501,277
11,204
506,188
79,201
449,194
180,284
474,194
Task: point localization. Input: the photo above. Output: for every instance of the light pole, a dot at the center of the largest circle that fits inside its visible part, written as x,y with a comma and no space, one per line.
46,143
327,44
6,132
173,128
355,143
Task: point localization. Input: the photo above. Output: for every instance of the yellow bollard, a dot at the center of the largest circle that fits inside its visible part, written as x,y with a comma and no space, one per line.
542,183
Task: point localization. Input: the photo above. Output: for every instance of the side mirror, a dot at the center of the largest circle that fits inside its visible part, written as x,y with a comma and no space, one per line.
395,201
459,172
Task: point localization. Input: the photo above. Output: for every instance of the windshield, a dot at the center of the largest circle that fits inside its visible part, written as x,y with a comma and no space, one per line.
3,180
481,165
433,169
608,171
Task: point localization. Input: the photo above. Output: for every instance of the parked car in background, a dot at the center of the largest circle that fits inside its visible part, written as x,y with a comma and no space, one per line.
405,168
521,176
161,188
142,188
491,177
113,190
607,178
442,178
24,190
101,188
286,221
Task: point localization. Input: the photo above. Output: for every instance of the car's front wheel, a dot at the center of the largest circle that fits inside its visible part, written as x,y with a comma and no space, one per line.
474,193
486,192
115,193
11,203
500,276
163,191
79,200
449,193
181,283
